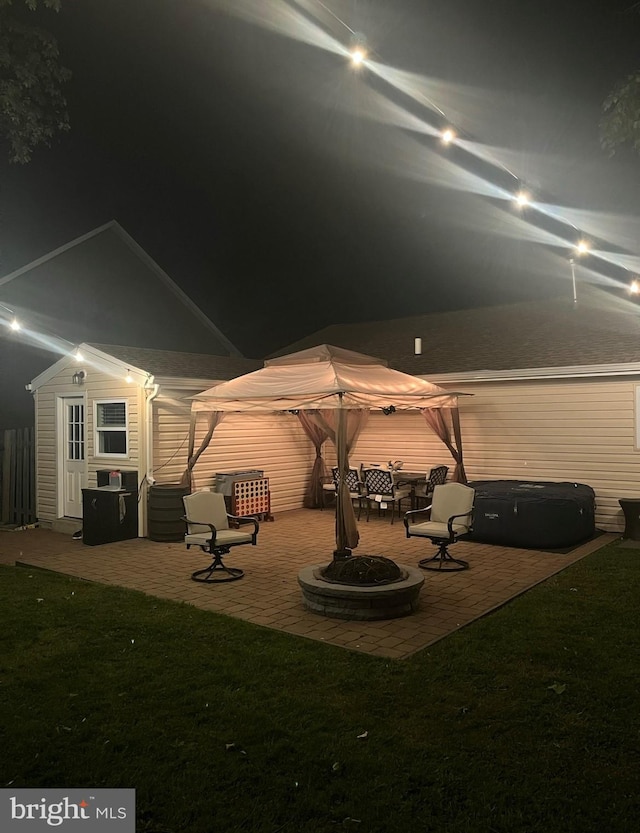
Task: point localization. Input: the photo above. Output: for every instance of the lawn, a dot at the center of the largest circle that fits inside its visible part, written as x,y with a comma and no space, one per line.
526,720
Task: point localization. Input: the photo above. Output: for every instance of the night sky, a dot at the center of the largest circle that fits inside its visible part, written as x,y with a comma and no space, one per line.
281,188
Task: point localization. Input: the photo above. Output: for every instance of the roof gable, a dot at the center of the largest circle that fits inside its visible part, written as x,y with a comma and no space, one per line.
142,363
104,287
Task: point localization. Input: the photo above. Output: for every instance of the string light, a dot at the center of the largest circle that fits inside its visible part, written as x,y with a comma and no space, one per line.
447,136
358,56
54,343
522,198
15,324
582,247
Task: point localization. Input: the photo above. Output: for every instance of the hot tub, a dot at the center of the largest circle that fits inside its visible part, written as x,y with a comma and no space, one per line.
535,515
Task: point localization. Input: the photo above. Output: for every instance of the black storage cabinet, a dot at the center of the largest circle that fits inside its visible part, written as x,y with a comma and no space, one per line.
109,515
533,515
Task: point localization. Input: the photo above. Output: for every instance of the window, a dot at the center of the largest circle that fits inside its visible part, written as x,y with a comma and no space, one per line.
111,428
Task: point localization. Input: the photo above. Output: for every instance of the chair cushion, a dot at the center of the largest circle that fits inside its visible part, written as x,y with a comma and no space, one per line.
451,499
205,506
433,529
225,537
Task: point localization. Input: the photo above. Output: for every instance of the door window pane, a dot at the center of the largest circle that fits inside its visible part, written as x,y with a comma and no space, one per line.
75,432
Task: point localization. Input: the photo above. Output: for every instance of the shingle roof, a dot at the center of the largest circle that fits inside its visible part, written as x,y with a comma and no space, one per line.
169,363
601,328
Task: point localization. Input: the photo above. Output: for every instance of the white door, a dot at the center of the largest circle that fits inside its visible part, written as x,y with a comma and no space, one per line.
72,474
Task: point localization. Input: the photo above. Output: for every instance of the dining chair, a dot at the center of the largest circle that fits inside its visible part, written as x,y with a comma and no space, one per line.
354,484
436,477
380,489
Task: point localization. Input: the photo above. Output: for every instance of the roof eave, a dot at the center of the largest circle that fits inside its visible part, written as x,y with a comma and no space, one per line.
184,383
93,357
538,373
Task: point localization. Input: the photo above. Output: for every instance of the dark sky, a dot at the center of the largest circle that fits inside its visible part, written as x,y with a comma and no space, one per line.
248,164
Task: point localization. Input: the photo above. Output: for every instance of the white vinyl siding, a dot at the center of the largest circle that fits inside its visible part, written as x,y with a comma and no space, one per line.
403,435
575,430
581,431
273,443
578,430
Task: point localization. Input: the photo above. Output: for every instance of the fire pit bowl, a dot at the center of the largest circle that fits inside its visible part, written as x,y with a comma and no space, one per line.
361,588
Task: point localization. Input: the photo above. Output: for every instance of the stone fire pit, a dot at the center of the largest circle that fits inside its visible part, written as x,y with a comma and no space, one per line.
361,594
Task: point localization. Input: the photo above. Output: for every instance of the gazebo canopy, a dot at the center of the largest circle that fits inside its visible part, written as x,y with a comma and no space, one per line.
324,377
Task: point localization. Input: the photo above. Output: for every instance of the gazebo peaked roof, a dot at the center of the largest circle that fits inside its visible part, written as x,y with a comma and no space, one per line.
325,353
324,377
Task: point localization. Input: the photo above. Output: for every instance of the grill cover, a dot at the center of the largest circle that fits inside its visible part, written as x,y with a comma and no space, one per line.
532,515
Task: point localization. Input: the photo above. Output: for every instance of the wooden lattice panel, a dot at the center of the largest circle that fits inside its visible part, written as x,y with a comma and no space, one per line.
251,497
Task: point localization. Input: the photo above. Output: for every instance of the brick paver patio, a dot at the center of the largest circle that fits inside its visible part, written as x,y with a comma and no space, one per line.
269,594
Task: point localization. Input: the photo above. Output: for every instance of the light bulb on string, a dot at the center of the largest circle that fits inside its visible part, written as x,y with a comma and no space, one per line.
358,56
582,246
128,378
78,356
15,324
447,136
634,287
358,50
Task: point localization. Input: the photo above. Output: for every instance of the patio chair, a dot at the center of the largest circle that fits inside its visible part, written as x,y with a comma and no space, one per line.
211,528
380,488
436,477
448,517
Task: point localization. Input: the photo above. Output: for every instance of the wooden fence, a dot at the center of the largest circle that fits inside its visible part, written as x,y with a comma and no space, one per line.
18,477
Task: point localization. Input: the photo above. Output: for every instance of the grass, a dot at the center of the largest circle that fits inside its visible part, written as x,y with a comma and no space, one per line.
523,721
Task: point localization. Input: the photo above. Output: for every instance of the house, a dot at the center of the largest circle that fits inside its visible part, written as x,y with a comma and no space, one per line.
555,389
101,287
107,407
554,396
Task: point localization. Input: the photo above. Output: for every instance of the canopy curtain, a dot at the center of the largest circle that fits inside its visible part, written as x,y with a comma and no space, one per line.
437,422
354,420
214,418
318,435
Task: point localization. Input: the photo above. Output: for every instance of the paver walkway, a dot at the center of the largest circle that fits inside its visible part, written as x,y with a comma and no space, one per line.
269,594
